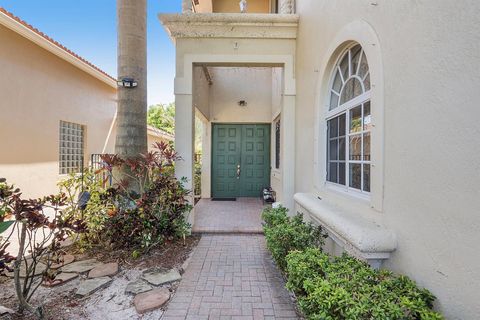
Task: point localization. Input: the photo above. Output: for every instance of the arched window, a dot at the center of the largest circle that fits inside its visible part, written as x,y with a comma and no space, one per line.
349,122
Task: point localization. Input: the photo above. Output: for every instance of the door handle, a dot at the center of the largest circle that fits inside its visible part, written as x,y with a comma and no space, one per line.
238,171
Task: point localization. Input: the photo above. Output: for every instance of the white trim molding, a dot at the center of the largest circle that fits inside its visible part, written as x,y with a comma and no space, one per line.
231,25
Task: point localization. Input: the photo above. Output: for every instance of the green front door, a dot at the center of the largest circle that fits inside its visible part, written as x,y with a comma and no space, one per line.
240,160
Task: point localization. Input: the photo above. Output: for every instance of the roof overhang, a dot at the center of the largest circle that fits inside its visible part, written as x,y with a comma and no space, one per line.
160,133
230,25
21,28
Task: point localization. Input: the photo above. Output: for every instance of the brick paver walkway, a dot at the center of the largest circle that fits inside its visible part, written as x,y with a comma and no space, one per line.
241,216
231,277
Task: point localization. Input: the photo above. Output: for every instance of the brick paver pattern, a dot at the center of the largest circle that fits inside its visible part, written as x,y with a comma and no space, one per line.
241,216
231,277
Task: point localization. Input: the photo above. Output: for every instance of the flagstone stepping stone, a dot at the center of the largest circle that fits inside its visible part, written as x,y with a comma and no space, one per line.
91,285
60,279
39,270
67,259
66,243
151,300
5,310
104,270
138,286
81,266
158,278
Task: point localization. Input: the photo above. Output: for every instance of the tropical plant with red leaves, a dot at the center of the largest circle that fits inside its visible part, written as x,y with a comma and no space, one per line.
158,212
40,225
142,169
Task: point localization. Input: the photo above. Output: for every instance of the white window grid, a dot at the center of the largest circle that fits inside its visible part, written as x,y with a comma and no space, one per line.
345,108
71,147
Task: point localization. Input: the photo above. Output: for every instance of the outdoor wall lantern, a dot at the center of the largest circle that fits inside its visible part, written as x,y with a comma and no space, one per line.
242,103
127,83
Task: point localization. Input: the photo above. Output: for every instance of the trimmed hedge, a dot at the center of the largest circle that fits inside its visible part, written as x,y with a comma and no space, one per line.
333,288
285,234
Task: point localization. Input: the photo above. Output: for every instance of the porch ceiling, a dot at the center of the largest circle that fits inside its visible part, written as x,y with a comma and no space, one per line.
230,25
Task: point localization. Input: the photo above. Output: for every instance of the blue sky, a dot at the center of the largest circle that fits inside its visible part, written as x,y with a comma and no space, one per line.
88,27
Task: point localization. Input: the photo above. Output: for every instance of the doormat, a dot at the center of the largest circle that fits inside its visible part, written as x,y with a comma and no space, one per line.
224,199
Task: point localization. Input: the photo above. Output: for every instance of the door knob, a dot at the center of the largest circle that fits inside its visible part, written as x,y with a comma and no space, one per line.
238,171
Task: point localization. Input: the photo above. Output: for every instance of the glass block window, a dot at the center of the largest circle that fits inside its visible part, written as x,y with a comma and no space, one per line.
349,122
71,147
277,144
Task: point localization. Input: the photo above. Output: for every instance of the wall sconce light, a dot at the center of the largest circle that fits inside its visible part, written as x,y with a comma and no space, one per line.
242,103
127,83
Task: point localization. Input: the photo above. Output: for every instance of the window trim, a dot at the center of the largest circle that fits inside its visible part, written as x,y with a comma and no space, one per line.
360,32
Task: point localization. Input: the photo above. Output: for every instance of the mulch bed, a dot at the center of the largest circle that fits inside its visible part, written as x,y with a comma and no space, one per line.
171,254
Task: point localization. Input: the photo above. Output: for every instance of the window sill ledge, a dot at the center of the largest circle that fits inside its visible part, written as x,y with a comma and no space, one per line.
356,233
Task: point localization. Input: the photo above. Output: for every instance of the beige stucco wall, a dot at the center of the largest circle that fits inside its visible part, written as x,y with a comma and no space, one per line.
204,6
226,47
37,90
201,92
430,52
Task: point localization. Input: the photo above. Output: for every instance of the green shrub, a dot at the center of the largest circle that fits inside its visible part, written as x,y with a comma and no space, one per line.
273,217
158,213
285,234
122,218
197,178
96,211
347,288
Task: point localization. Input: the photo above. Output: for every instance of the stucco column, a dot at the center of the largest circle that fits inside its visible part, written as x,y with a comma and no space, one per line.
187,6
288,151
184,141
286,6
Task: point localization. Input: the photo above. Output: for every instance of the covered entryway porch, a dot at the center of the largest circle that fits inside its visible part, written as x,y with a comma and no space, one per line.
234,78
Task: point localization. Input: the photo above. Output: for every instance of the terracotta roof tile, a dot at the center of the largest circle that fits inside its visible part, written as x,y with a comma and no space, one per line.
46,37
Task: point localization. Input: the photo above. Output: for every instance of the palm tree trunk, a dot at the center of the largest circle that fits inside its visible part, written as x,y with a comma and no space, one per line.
131,139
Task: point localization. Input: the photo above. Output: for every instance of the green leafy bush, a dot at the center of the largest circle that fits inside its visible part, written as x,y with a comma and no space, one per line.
273,217
158,212
158,215
121,217
336,288
197,178
95,214
346,288
285,234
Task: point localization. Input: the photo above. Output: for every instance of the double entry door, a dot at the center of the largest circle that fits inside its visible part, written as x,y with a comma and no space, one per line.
240,160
